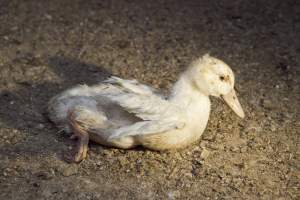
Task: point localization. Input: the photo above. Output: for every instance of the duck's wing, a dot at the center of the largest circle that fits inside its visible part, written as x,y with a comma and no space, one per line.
131,85
158,114
146,128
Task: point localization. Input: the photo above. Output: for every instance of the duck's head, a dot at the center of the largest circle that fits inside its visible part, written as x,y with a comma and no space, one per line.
214,77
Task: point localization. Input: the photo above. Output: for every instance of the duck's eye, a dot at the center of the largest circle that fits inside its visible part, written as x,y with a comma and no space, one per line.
222,78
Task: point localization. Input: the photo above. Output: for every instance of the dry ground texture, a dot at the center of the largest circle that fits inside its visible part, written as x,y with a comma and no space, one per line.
48,46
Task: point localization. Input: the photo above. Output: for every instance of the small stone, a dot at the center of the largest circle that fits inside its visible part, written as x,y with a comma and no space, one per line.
44,175
71,170
208,137
173,195
51,171
243,149
234,149
235,171
204,154
203,144
268,104
40,126
47,16
188,175
273,127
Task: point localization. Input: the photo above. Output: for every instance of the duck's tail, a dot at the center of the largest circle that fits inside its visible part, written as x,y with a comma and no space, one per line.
60,105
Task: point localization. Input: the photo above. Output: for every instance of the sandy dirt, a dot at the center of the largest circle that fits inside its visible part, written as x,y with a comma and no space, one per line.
49,46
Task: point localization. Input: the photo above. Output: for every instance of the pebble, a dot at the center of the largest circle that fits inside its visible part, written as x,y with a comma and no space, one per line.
70,170
234,149
47,16
40,126
173,195
204,154
273,127
208,137
268,104
203,144
243,149
235,171
44,175
189,175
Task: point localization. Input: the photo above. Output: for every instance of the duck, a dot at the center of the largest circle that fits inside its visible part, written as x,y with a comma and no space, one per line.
125,114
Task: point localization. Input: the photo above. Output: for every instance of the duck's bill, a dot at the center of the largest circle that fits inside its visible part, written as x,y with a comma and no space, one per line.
233,102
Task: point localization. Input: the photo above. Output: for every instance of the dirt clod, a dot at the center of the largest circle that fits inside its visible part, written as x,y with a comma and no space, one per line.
70,170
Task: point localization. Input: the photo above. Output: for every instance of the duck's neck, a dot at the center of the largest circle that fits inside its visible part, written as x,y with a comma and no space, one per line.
186,95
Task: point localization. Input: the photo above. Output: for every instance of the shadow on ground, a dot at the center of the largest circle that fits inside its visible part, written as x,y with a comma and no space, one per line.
25,109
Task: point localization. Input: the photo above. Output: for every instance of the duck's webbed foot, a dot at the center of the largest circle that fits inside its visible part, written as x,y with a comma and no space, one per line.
79,133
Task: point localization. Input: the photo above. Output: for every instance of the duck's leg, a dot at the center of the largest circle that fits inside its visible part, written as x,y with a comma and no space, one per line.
82,137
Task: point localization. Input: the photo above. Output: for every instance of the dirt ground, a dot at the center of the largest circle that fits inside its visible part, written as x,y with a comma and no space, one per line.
49,46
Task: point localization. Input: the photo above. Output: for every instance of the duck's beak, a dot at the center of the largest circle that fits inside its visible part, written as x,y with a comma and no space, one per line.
233,102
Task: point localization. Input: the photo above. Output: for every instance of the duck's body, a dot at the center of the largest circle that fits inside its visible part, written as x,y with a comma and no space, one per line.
124,113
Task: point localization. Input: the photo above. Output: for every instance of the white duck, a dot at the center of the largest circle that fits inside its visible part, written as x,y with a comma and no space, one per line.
124,113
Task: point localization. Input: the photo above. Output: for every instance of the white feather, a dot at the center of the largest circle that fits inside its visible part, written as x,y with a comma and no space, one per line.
158,114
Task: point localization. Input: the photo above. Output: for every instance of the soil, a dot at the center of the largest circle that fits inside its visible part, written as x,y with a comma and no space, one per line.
49,46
